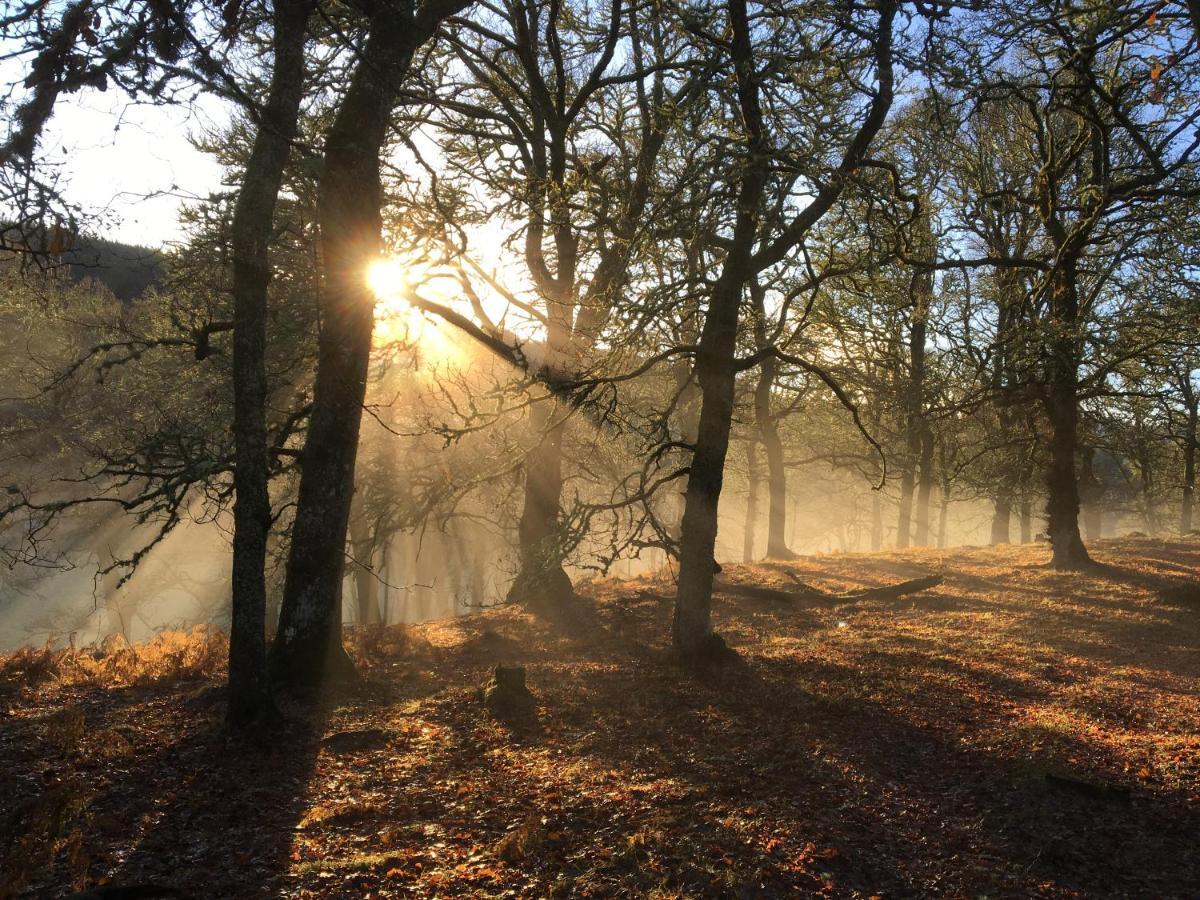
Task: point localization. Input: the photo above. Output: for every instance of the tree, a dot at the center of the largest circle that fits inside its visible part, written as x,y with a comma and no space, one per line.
253,221
749,251
308,641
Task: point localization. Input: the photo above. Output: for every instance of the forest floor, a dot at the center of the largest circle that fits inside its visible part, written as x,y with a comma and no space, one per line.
1013,732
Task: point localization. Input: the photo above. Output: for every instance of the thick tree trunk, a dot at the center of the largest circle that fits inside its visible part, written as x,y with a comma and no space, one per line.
698,534
751,502
253,219
1001,519
541,581
1026,521
1062,409
308,643
777,494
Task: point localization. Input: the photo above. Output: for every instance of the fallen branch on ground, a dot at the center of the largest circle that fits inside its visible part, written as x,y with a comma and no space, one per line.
812,594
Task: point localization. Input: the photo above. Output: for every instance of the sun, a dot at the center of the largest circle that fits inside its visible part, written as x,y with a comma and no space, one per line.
397,321
387,278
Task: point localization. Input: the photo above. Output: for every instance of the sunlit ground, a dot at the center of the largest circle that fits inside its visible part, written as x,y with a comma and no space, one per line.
1014,732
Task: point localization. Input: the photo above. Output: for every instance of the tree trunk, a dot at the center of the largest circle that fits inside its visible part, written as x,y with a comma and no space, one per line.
904,518
1025,480
777,493
366,581
943,516
1001,518
715,365
691,631
1189,472
876,521
918,440
925,489
1062,409
541,581
253,218
751,502
1089,495
309,639
768,431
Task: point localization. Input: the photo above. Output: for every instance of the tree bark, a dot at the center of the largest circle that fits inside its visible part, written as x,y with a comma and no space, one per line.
1062,409
904,515
925,488
1026,521
1001,519
308,643
1089,494
253,218
751,502
943,516
768,433
541,581
715,373
366,581
1189,471
876,521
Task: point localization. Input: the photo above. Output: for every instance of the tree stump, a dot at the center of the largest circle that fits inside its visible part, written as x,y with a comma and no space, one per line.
506,696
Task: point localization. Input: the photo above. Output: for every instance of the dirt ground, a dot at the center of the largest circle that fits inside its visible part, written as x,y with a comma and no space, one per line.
1013,732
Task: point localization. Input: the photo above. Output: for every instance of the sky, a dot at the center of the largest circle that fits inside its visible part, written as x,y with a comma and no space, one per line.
132,166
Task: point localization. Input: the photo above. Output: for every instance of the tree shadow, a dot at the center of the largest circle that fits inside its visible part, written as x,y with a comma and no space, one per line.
847,772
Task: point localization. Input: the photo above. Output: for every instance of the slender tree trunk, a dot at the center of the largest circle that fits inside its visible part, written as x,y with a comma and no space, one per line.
715,366
768,431
1062,409
1025,481
925,489
385,578
904,518
308,643
1145,464
918,439
253,218
943,515
876,494
692,630
366,582
1189,472
1090,492
876,521
751,502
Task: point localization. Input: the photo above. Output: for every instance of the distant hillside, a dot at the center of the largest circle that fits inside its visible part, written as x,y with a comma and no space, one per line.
125,269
